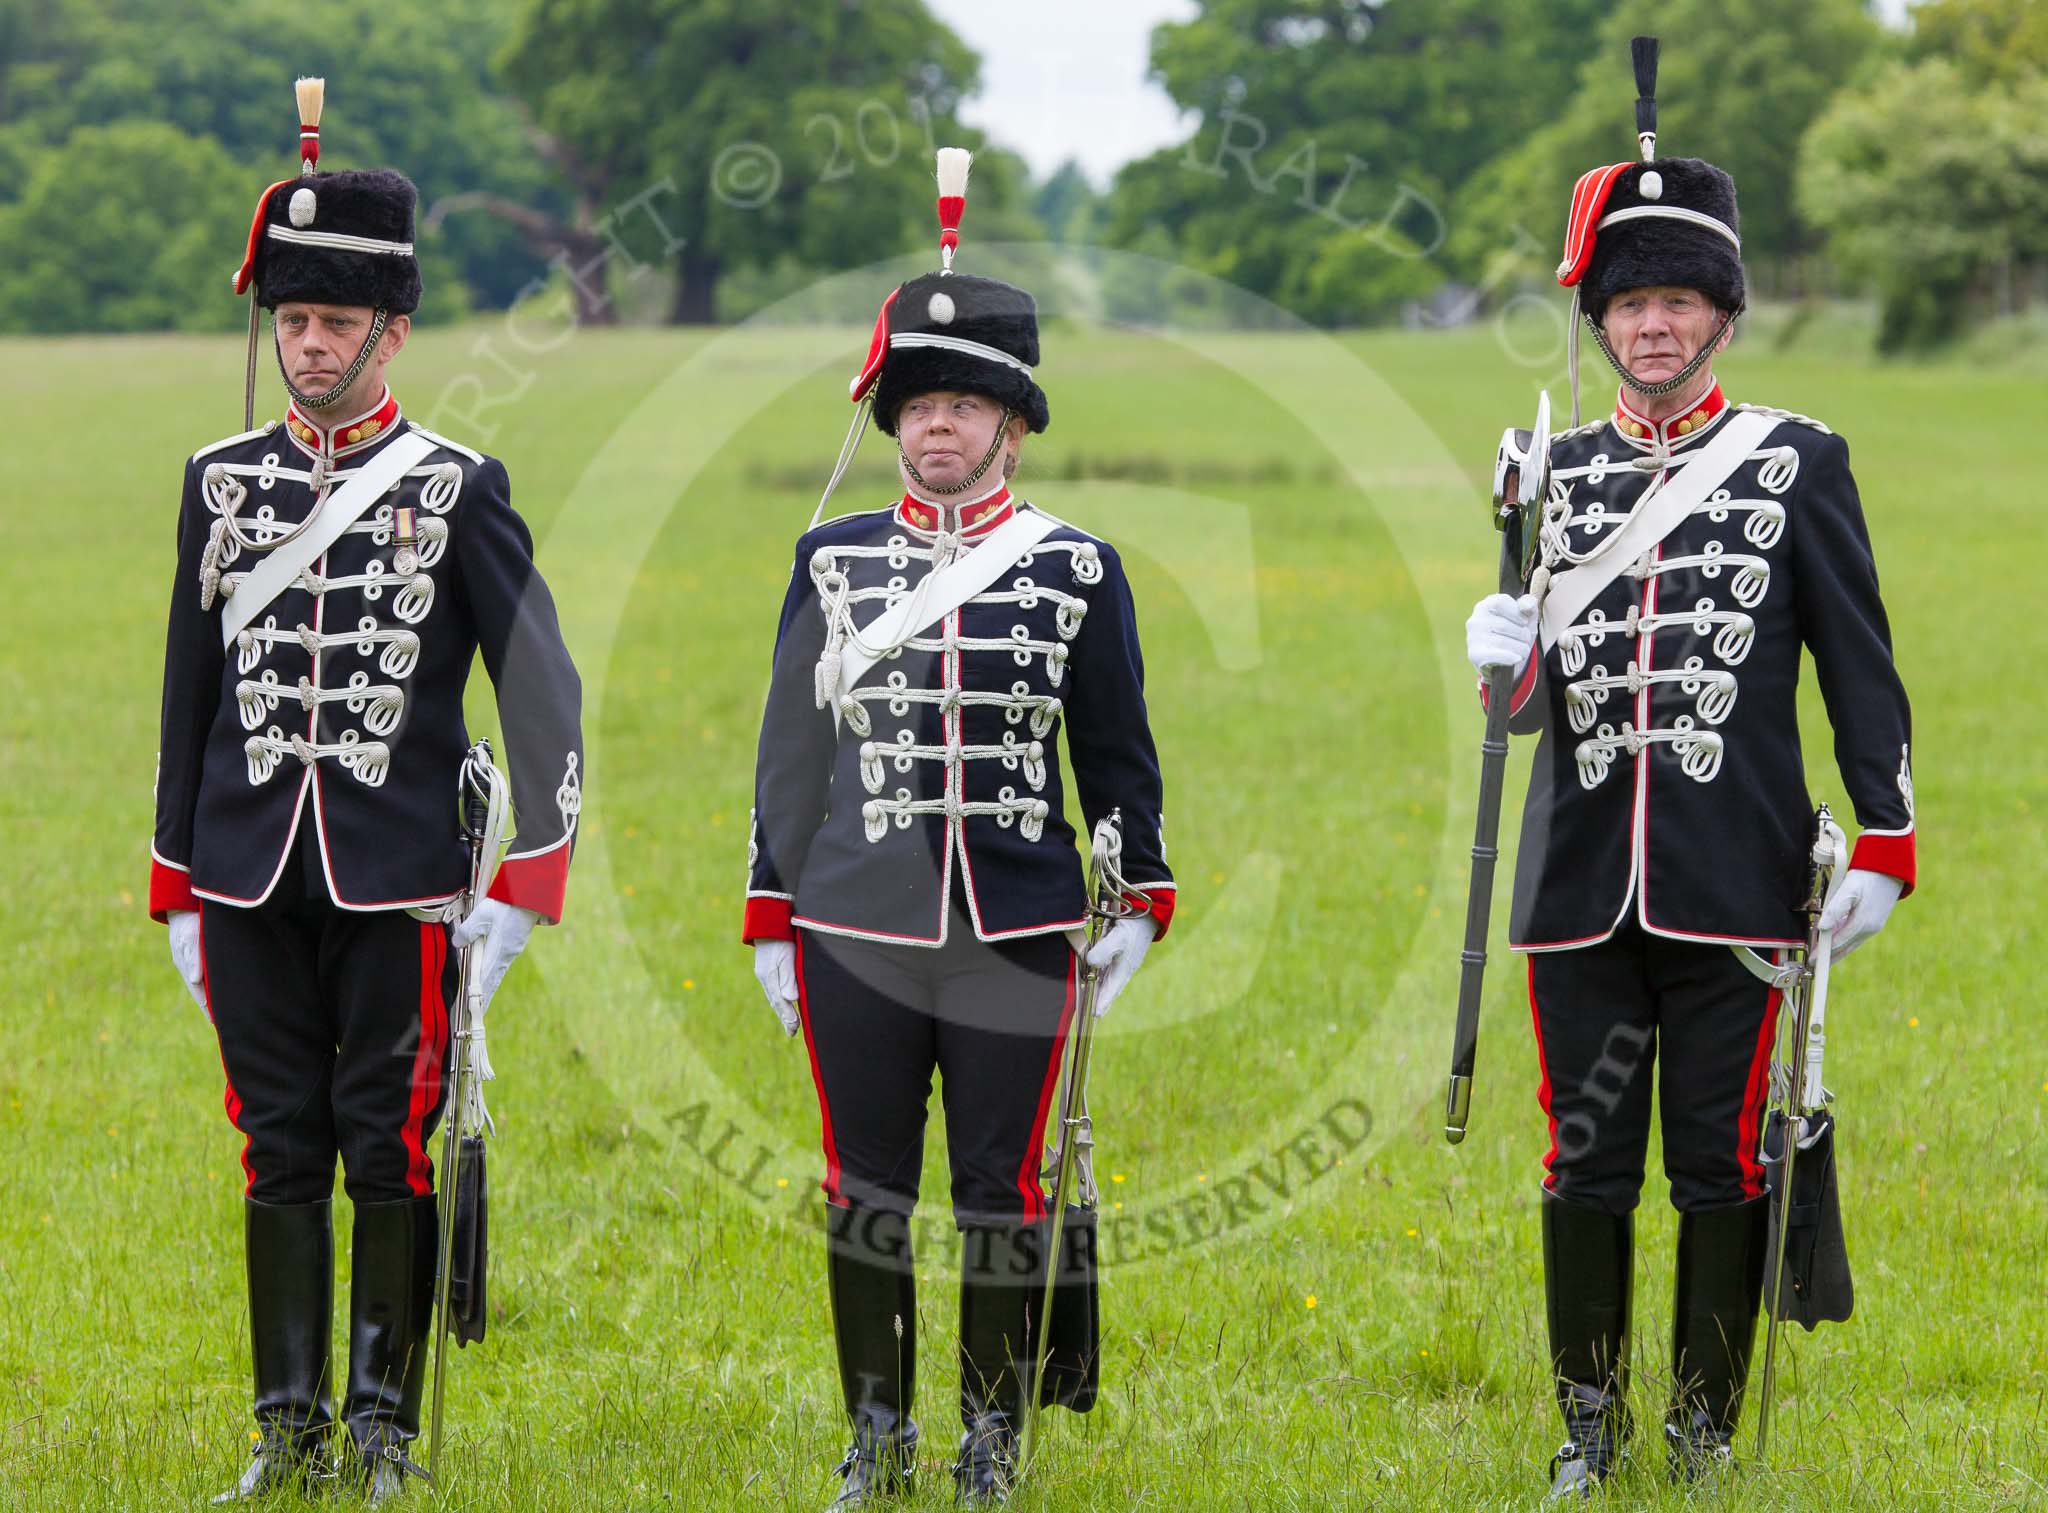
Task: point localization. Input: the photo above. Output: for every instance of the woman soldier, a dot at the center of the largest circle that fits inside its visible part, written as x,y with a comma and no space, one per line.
914,889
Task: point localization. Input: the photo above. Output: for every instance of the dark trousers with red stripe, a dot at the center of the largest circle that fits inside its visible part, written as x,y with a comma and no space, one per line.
333,1032
989,1017
1607,1016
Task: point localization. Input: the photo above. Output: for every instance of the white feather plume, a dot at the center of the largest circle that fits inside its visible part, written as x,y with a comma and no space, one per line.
954,163
312,94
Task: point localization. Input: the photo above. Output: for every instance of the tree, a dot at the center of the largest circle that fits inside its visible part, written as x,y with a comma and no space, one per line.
1739,82
132,227
1333,132
783,129
1993,42
413,91
137,227
1066,203
1926,215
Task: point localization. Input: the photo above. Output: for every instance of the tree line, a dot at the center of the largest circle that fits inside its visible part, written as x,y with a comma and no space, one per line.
1356,157
1351,160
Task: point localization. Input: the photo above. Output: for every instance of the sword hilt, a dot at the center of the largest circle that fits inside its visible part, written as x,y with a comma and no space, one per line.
1822,859
476,791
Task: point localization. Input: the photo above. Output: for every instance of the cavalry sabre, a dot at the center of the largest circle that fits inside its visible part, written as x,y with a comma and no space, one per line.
1071,1167
1800,1115
483,796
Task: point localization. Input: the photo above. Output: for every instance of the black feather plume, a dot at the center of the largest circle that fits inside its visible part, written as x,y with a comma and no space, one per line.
1643,53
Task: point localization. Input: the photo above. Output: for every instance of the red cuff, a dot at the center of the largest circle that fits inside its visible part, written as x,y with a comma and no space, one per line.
537,882
1522,689
1159,905
1890,854
768,919
170,890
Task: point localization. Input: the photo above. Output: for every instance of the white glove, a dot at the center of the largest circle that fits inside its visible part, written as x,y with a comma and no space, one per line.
504,930
1859,908
1118,955
1501,632
775,970
185,955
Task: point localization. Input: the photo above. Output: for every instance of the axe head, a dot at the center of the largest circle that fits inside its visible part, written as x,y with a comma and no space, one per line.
1521,479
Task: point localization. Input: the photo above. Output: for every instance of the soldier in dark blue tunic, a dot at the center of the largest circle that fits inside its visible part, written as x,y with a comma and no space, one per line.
337,574
914,883
1696,550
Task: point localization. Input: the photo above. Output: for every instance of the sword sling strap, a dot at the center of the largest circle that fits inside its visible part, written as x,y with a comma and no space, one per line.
951,587
334,515
1684,491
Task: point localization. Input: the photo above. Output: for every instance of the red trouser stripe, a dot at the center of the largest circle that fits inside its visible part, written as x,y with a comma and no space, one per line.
1034,1151
803,1008
1753,1099
231,1101
1543,1087
427,1057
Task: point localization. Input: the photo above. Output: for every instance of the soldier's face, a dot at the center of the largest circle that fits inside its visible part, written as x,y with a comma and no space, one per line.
1656,332
945,435
320,342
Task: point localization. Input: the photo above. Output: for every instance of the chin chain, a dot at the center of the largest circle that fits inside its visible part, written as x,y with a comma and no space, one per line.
1677,380
995,449
341,385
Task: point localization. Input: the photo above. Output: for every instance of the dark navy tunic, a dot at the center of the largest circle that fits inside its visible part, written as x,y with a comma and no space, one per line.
1669,782
334,721
941,773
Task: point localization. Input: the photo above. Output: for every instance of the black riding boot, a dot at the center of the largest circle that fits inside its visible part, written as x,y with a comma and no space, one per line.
1713,1325
391,1303
997,1266
874,1324
1587,1283
290,1251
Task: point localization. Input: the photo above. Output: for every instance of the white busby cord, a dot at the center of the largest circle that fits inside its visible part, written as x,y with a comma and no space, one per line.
847,449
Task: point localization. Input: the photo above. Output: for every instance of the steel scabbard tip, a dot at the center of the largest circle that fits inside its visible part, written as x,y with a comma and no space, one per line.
1457,1108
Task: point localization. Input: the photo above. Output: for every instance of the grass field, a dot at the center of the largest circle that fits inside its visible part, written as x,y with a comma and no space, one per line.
1313,1302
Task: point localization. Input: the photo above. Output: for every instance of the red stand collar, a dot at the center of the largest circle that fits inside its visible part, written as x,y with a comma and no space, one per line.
347,436
1678,431
977,519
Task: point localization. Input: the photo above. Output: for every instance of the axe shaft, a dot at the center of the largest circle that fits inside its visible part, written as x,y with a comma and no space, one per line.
1493,766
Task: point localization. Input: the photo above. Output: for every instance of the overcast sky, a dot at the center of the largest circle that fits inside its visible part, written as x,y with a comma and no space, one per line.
1066,78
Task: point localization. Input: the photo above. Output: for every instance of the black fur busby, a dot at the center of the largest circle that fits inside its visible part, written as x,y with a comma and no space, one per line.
982,311
1667,250
292,258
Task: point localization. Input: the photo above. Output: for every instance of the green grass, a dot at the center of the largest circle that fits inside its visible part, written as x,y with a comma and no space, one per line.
1303,520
